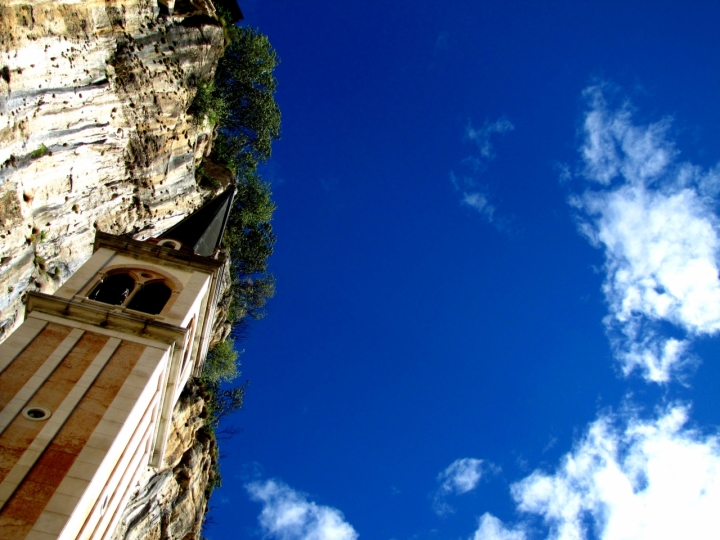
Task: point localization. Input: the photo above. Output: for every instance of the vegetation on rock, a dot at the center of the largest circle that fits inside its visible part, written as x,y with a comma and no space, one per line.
245,83
221,364
249,239
240,103
40,152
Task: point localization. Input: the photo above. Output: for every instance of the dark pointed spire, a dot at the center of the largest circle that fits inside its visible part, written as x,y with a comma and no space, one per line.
202,231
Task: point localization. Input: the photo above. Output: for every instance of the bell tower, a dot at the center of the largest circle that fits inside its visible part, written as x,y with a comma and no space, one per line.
89,381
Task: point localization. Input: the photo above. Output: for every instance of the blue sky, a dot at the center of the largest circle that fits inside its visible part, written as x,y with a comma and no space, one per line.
497,263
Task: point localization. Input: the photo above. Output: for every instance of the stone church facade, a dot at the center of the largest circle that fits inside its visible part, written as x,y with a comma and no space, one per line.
89,381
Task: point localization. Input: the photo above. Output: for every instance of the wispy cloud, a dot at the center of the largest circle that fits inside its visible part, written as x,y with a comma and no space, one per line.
474,195
461,476
631,477
482,136
288,515
440,50
442,43
655,221
479,202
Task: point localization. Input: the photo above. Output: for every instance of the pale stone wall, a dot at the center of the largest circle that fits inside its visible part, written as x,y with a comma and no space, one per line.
101,87
171,504
190,286
70,474
93,131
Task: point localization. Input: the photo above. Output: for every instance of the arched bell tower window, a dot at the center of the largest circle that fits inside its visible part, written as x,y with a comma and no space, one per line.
114,289
137,289
151,298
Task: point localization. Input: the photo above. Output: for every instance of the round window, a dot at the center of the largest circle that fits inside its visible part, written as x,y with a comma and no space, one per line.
170,243
36,413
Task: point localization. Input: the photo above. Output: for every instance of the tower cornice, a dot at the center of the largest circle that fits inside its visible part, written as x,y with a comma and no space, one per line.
154,252
106,317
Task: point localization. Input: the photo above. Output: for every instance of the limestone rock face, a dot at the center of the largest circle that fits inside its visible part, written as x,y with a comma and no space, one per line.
93,130
171,503
94,135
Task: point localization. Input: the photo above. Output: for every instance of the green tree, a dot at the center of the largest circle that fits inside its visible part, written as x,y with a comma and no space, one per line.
250,240
249,296
221,364
245,83
241,99
207,103
249,236
226,401
254,198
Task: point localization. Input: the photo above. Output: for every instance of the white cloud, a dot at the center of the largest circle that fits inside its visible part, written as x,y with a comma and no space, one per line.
479,202
630,478
461,476
627,479
491,528
481,137
288,515
656,223
473,196
651,479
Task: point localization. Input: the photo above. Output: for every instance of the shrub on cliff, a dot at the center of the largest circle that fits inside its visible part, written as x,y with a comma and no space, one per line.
250,240
248,236
246,84
207,105
221,364
224,401
241,100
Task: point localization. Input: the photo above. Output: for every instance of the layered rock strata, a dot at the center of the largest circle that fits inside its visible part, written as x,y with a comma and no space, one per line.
94,135
94,132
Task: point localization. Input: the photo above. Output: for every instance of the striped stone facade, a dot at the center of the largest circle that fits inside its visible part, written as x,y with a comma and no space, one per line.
87,390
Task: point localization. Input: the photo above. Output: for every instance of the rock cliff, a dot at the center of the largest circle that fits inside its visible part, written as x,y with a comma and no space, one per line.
94,135
171,504
93,130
